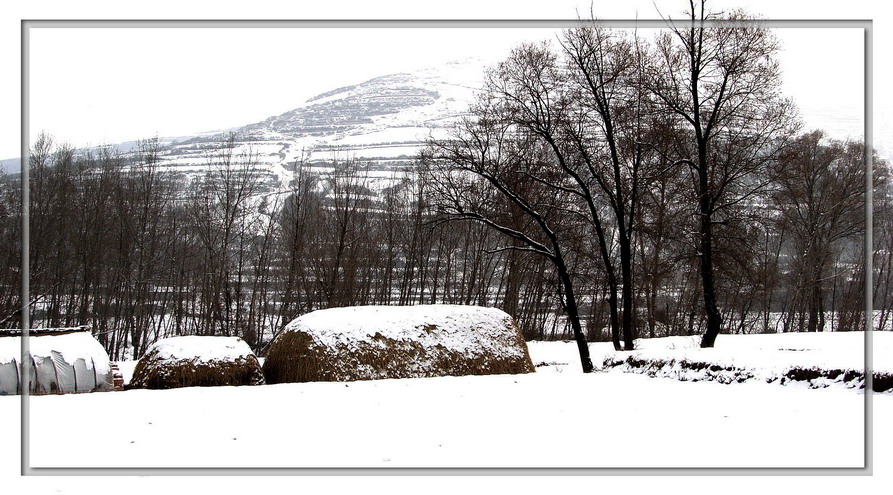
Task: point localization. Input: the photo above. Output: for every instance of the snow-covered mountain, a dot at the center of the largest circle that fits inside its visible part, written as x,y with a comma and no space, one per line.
383,121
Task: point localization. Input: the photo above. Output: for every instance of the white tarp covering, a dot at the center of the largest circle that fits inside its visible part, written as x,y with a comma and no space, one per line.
58,363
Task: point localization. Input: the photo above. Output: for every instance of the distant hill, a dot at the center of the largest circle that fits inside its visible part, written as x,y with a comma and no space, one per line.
383,121
11,166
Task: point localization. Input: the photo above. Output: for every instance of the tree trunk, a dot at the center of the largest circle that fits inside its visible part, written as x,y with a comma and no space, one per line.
714,318
573,314
627,292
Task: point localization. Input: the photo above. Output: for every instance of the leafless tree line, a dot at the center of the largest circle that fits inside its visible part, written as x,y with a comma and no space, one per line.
674,167
140,252
607,188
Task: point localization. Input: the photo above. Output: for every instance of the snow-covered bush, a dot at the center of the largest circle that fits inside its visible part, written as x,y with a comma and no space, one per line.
197,361
374,342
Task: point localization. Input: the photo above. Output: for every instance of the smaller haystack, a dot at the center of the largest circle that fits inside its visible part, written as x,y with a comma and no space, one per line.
374,342
197,361
59,361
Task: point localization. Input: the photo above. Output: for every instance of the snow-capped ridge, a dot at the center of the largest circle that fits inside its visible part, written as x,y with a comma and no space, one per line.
383,122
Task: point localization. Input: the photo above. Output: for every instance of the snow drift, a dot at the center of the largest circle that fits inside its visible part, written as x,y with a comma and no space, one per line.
375,342
811,360
197,361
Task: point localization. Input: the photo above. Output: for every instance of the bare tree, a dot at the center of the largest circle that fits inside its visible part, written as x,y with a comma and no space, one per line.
475,174
820,193
222,210
721,84
883,243
299,212
10,246
612,129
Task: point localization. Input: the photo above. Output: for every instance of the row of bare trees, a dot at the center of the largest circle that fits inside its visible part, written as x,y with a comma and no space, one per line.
673,165
609,188
139,253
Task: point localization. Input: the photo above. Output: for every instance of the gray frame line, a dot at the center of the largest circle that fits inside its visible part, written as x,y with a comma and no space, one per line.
27,24
869,246
422,23
25,249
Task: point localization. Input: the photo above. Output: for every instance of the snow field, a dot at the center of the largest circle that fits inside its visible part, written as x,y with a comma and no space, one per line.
760,358
545,420
555,417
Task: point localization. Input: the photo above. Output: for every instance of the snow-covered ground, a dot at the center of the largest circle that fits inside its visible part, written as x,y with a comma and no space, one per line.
535,420
759,357
556,417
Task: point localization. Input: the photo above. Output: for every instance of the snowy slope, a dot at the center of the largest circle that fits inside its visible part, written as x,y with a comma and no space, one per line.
384,121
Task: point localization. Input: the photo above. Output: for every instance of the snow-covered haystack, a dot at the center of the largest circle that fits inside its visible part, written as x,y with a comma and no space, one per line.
197,361
62,360
374,342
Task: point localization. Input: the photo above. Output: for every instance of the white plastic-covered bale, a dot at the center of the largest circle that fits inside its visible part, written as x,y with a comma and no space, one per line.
374,342
197,361
64,362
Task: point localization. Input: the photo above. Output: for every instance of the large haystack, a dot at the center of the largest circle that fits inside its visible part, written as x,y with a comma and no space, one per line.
59,361
373,342
197,361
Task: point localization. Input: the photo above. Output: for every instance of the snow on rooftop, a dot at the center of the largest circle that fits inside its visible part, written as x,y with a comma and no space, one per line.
72,346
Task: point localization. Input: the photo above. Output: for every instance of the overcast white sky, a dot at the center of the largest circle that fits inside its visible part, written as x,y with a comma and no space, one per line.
106,85
109,85
92,86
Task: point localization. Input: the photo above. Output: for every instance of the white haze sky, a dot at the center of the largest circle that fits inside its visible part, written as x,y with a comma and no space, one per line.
132,83
91,86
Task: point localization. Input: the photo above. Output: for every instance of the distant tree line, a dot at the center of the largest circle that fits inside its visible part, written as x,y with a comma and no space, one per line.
666,179
141,253
608,189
